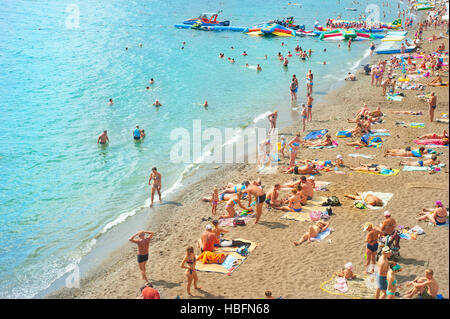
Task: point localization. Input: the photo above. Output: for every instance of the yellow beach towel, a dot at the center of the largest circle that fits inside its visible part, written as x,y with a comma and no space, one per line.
395,172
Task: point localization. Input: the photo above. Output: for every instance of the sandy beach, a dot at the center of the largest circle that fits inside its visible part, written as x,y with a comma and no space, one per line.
276,264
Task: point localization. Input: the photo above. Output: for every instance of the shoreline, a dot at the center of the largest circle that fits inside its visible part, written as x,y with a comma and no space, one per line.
184,224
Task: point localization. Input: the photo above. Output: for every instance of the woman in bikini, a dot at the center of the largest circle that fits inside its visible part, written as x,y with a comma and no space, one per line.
326,141
407,152
392,285
312,232
294,202
407,112
371,167
191,273
294,145
432,161
434,135
229,207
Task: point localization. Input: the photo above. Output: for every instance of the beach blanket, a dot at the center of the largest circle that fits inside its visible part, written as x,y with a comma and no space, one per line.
362,287
229,221
407,168
315,204
322,235
234,261
442,121
315,134
413,125
431,141
335,144
362,155
394,172
341,284
394,97
343,134
385,197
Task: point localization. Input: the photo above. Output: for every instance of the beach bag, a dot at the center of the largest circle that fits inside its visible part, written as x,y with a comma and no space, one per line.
332,201
315,215
238,222
243,251
360,205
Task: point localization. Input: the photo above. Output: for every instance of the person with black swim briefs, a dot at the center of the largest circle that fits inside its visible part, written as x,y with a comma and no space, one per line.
255,190
142,243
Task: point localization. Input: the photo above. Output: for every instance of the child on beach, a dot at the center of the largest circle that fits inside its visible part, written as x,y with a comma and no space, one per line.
347,272
304,116
282,146
339,161
214,200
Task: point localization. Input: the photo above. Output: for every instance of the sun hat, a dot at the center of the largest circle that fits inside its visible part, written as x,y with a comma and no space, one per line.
311,177
349,265
208,227
386,250
387,214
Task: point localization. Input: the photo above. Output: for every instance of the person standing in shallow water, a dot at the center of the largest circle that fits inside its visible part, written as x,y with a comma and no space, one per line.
156,186
103,138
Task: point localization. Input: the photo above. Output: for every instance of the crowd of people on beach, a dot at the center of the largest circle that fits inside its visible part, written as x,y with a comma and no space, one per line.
381,241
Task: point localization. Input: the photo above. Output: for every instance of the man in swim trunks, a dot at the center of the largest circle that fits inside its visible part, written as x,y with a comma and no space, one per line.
389,224
426,286
429,162
408,152
432,102
371,247
350,77
307,188
156,177
437,216
103,138
142,243
371,167
381,276
272,197
157,103
255,190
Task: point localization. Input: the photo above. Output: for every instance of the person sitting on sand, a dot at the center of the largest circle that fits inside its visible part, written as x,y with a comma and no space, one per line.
312,232
347,272
218,231
434,135
389,224
408,112
208,239
392,285
407,152
427,287
363,142
367,198
350,77
157,103
371,168
324,142
307,187
272,197
294,202
191,272
377,113
437,81
437,216
229,207
428,162
339,161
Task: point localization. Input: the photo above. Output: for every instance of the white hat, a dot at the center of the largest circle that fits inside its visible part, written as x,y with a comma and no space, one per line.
282,136
208,227
311,177
339,156
349,265
387,214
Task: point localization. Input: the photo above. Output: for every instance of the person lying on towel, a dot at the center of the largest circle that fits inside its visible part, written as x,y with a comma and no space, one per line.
432,161
369,199
312,232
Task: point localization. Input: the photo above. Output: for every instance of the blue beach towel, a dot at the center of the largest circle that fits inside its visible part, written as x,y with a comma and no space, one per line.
315,134
321,147
322,235
229,262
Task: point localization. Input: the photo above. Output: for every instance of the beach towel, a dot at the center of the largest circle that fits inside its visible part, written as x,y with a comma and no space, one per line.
322,235
393,172
335,144
431,141
362,287
407,168
209,257
413,125
321,186
229,221
362,155
394,97
231,251
315,134
385,197
315,204
442,121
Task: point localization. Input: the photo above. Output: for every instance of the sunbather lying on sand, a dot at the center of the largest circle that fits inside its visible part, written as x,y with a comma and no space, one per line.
433,135
347,272
312,232
367,198
406,152
407,112
432,161
222,197
231,188
308,169
324,142
437,216
370,167
229,207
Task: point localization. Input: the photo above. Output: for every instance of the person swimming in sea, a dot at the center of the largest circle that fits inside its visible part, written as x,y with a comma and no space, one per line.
103,138
157,103
258,68
151,81
137,133
110,102
205,104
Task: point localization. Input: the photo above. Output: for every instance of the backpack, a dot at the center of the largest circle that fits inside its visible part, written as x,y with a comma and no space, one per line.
332,201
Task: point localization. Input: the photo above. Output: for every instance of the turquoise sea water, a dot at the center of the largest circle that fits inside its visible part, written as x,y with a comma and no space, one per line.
59,191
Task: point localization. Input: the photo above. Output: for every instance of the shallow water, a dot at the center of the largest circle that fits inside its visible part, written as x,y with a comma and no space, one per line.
59,190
